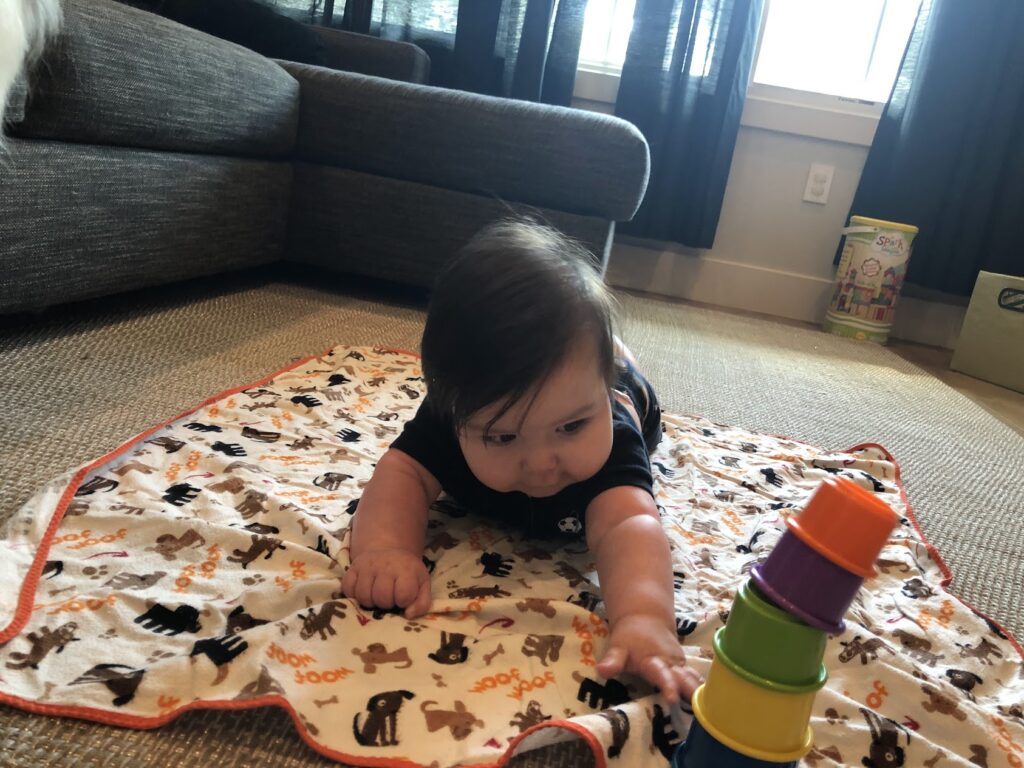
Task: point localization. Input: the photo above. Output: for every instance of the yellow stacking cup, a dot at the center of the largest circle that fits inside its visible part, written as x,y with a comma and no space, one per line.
754,716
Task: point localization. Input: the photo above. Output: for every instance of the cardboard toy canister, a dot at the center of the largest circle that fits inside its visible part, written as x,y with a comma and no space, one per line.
871,271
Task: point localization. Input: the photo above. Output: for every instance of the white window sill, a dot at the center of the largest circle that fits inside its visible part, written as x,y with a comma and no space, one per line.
595,84
829,118
811,114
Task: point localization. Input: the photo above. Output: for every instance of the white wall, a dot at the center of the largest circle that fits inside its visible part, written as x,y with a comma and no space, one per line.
773,252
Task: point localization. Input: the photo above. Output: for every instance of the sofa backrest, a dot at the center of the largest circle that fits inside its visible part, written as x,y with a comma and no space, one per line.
120,76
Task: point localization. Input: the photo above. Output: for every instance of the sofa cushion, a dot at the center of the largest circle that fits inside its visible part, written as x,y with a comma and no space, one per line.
519,151
78,220
118,75
352,52
344,221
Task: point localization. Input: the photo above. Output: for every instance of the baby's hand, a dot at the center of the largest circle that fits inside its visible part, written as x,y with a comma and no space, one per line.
645,646
386,578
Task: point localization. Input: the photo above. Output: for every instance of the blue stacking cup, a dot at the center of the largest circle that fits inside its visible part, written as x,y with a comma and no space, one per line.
702,750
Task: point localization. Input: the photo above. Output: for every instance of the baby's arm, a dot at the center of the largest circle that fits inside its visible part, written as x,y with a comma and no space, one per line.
634,566
388,533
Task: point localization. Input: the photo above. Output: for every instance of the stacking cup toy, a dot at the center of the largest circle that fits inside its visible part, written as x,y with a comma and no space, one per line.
818,565
770,643
806,585
701,750
755,708
754,715
846,524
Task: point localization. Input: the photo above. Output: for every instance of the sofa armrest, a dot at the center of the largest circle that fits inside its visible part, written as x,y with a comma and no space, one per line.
566,159
368,55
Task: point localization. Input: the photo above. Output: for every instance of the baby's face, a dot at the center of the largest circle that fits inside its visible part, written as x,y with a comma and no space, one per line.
564,436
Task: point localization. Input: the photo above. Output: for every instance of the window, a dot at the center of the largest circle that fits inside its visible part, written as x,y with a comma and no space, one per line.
606,28
846,48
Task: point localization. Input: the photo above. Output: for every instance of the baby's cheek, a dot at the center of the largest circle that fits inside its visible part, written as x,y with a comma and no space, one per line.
595,451
492,471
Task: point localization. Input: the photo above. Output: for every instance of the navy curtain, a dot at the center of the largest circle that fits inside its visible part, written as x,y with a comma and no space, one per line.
683,85
949,152
523,49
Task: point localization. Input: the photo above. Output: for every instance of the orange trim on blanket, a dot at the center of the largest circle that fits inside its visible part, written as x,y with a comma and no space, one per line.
947,574
579,730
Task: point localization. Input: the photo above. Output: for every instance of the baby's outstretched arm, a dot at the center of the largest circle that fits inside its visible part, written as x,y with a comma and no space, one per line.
388,534
634,566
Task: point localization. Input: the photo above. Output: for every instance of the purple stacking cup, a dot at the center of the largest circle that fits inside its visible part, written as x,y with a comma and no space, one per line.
806,584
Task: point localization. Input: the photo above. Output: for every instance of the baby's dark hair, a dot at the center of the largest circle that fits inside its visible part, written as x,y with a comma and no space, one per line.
506,312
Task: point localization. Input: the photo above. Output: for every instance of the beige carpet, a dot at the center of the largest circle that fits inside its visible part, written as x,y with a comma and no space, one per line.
79,381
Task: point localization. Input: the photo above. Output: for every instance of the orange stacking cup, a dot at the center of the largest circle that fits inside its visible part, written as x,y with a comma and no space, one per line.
846,524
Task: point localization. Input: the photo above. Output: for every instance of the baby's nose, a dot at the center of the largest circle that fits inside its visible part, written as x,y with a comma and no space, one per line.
541,461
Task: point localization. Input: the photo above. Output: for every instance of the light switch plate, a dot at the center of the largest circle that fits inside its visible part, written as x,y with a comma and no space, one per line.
819,182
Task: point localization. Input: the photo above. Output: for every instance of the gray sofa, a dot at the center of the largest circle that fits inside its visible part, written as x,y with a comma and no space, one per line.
148,152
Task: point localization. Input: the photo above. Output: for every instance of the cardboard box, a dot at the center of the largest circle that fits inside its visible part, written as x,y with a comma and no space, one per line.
991,344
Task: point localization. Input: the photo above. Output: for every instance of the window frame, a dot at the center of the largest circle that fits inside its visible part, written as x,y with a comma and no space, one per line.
769,107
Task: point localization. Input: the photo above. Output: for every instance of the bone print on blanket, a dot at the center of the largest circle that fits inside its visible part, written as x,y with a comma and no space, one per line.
199,566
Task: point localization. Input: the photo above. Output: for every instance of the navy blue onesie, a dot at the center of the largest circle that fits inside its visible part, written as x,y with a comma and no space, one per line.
432,441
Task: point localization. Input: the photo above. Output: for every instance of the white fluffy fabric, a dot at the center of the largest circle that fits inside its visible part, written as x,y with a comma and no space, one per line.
25,26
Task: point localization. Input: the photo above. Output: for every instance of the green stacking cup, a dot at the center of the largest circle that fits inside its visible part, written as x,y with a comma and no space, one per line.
770,643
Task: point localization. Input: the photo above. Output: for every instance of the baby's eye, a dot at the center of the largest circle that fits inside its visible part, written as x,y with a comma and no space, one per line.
502,439
573,426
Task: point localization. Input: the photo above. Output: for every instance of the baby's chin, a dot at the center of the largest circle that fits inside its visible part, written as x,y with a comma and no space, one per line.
546,492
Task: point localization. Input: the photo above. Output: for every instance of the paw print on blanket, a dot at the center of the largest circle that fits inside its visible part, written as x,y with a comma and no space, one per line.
94,572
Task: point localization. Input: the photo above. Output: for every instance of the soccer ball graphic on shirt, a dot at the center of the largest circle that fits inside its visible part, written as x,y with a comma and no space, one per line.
570,525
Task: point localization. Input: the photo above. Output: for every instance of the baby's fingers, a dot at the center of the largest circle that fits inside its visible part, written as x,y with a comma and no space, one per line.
613,663
688,680
655,671
421,604
362,589
348,582
383,592
407,588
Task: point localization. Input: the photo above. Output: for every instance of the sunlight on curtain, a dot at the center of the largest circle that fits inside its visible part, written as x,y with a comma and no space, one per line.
435,16
707,33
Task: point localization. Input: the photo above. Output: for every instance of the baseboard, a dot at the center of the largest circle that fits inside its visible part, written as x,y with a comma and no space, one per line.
768,291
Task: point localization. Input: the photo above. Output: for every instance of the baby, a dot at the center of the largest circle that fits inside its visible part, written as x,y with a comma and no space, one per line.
535,415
